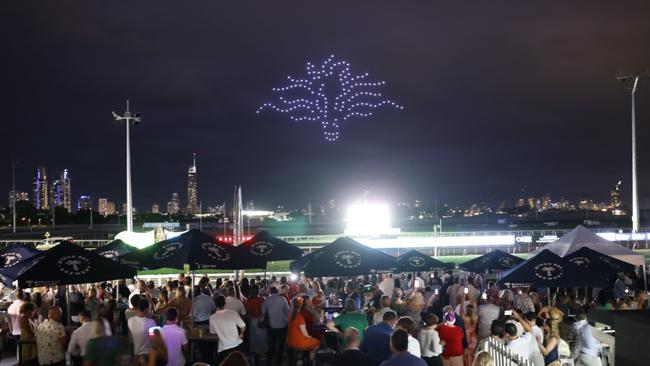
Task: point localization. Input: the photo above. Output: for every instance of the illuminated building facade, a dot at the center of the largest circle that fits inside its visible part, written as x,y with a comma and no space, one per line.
61,192
84,202
17,196
102,206
40,189
192,189
174,205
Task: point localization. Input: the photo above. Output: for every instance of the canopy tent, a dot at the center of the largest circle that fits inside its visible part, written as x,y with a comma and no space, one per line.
582,237
65,264
13,254
345,257
115,249
495,260
198,250
416,261
269,248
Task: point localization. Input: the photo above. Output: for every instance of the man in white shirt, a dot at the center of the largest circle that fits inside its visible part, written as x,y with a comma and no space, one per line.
228,326
175,339
139,329
588,346
80,337
519,345
536,356
14,313
487,313
233,303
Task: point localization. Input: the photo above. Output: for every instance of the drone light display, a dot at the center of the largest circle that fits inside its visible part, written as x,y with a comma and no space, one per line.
329,94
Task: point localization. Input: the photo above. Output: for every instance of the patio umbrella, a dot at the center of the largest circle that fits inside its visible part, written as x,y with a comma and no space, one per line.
65,264
269,248
600,267
496,260
345,257
198,250
416,261
115,249
13,254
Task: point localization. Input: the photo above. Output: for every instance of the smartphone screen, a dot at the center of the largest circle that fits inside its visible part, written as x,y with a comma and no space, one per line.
466,290
416,284
153,329
508,312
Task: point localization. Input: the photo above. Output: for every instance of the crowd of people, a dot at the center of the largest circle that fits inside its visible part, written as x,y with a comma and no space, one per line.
415,319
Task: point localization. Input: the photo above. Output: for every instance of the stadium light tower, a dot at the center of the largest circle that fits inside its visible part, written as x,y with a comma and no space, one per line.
129,119
635,193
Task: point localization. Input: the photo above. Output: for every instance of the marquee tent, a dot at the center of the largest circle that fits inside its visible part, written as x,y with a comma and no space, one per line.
582,237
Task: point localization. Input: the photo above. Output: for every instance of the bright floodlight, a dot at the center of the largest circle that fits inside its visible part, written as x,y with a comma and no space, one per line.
368,219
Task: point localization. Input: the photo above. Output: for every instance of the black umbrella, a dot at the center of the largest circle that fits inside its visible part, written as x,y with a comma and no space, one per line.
345,257
114,249
65,264
600,267
198,250
13,254
415,261
496,260
269,248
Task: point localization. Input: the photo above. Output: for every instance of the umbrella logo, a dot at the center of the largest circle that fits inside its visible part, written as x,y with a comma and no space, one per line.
109,254
11,258
506,262
261,248
483,261
74,265
416,261
216,252
548,271
348,259
580,261
167,250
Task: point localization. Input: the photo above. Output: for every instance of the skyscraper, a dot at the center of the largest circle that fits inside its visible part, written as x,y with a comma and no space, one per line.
61,192
102,206
84,202
40,189
192,193
174,205
111,208
616,196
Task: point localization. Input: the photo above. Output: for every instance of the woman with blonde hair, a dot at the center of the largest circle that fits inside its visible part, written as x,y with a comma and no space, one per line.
483,359
184,306
550,346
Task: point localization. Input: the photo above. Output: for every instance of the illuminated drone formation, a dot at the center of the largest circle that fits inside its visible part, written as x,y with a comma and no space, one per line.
308,99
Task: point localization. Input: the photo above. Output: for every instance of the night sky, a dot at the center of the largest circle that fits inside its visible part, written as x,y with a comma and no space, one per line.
501,97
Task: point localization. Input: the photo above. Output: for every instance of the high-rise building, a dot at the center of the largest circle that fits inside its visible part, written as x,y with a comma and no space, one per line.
112,209
192,189
546,202
84,202
18,196
616,196
102,206
531,202
61,191
155,208
586,203
174,205
40,189
125,209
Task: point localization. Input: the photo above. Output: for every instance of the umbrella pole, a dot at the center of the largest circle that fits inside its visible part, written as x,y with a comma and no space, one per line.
645,278
193,294
548,289
67,307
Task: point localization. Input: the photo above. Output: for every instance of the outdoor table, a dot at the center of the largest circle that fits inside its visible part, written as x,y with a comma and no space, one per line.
200,337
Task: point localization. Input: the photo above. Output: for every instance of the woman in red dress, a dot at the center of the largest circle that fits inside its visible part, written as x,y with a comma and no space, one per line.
297,336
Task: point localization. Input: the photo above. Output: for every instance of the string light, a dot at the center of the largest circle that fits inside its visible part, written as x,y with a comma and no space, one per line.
354,96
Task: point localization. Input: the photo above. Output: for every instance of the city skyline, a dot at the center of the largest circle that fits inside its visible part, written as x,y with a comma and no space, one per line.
542,110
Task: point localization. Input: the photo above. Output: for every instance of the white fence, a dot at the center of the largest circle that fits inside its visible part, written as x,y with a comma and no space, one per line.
503,357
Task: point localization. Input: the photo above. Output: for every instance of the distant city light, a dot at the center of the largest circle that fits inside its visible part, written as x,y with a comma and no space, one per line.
369,219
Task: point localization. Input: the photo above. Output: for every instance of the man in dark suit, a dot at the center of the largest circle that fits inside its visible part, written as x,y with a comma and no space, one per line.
352,355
